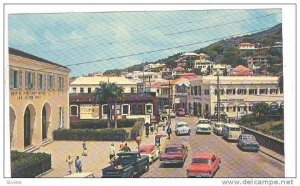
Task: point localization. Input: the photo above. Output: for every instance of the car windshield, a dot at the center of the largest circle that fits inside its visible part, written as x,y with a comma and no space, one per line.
203,122
200,160
234,129
181,124
248,137
173,149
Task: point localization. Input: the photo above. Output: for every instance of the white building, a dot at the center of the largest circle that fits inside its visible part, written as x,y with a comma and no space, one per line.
238,94
246,46
89,84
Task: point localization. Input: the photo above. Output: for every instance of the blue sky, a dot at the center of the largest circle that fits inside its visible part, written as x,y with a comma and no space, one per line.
70,38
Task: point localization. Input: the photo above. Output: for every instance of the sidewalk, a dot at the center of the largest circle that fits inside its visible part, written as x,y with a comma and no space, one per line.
98,154
272,154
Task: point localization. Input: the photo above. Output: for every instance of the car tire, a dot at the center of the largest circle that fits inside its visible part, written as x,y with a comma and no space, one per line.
189,132
130,175
146,168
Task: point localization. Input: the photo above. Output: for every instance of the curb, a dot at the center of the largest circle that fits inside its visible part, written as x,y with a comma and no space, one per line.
268,154
44,173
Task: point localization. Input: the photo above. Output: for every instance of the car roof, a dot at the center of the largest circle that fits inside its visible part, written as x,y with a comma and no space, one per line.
181,122
203,155
203,119
204,124
231,125
247,135
79,175
174,145
220,123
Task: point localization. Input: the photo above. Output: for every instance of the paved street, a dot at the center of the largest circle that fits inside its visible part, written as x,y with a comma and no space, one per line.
235,163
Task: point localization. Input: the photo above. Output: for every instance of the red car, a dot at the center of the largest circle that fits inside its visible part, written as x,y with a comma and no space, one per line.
174,154
151,151
180,112
203,165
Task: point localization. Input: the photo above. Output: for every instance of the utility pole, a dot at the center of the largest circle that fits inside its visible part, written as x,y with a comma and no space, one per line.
169,103
218,95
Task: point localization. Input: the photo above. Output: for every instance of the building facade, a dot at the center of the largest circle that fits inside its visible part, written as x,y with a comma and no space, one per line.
89,84
38,99
84,107
238,94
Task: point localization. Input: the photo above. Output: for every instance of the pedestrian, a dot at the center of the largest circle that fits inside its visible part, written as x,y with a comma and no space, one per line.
84,149
156,128
138,140
164,126
122,145
112,151
147,129
69,160
78,164
126,148
169,132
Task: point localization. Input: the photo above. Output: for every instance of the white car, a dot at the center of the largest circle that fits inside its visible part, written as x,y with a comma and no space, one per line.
182,128
150,150
203,121
217,128
203,128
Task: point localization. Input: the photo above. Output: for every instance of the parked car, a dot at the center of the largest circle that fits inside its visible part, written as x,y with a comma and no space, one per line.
203,126
174,154
150,150
231,131
217,128
180,112
182,128
80,175
248,142
203,165
126,165
203,121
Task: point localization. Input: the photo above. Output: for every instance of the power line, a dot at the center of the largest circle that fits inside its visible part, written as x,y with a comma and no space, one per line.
202,28
127,40
163,49
142,29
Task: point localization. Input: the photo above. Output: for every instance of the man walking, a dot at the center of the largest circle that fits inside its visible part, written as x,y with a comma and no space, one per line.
78,164
126,148
138,140
112,151
69,160
169,131
84,149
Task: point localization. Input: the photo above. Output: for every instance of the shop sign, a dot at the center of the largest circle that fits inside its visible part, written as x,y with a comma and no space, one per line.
89,111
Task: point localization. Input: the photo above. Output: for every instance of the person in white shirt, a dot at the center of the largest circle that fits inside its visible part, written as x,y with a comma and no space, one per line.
112,151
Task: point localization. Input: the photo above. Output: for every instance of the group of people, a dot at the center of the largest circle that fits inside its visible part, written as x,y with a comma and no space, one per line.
78,164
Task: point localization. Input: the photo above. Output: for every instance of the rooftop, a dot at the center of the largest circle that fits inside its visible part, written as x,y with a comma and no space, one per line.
95,80
20,53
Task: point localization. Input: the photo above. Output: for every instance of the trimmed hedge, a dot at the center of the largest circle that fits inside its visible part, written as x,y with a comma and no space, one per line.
137,128
90,134
100,124
29,165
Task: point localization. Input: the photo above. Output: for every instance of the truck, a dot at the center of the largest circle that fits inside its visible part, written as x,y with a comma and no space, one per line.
127,165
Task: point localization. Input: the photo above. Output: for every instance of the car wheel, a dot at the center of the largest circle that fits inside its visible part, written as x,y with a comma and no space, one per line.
189,132
131,175
146,168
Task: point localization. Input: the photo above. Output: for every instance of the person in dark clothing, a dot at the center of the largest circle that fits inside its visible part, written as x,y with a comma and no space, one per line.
147,129
126,148
169,132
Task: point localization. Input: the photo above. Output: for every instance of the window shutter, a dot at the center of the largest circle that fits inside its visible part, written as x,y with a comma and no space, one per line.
33,80
26,80
63,81
44,82
11,78
63,118
20,79
48,82
53,85
59,117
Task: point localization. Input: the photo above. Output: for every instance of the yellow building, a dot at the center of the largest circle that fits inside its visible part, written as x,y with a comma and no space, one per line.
38,99
238,94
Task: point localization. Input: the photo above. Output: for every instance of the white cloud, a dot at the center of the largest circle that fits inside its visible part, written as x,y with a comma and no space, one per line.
21,36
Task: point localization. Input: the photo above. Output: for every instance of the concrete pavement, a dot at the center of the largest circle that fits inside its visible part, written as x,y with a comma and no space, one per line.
98,154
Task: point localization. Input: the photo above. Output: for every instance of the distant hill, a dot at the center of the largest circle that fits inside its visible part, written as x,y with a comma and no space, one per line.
217,50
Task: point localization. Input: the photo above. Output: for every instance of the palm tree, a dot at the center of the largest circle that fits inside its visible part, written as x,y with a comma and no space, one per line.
116,94
102,95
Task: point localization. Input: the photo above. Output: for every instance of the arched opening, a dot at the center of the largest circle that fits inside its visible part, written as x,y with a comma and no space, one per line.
29,119
12,121
45,120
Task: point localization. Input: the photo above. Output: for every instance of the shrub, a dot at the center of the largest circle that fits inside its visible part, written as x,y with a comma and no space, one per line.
100,124
90,134
29,165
